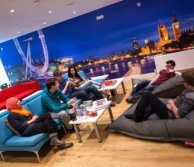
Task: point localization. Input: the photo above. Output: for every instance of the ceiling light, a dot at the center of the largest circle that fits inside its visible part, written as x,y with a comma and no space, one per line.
50,11
74,12
19,32
12,11
44,23
1,49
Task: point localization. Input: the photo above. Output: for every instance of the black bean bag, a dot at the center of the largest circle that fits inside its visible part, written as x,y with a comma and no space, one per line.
155,129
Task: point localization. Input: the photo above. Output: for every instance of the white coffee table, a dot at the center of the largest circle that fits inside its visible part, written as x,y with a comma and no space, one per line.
114,87
93,120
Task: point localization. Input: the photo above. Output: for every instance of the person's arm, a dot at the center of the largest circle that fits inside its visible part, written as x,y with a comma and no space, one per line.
178,73
173,108
66,86
154,79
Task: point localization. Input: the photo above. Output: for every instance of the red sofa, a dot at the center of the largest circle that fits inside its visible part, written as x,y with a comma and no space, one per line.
20,91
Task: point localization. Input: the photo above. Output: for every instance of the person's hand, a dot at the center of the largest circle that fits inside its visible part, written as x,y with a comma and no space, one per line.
68,82
34,118
170,102
72,101
169,107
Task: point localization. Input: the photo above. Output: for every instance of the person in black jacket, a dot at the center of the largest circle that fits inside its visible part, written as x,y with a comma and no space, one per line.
27,124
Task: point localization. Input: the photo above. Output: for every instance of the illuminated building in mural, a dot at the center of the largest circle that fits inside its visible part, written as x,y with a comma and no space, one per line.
176,28
135,44
164,38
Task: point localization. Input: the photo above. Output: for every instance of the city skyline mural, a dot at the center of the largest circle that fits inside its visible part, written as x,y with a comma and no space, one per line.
122,43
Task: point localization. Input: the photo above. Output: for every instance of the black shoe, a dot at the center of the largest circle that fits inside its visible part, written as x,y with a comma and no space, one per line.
130,117
64,146
72,130
112,105
128,100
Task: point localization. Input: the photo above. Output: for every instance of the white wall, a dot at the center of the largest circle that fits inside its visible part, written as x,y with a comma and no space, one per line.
184,60
3,75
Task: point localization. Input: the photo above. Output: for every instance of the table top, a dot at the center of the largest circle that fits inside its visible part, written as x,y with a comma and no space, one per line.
100,77
112,87
89,119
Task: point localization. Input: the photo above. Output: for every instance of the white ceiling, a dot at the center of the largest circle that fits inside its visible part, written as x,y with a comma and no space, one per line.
30,15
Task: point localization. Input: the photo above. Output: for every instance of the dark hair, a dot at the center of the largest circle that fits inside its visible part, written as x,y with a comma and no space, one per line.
57,73
188,77
172,62
76,73
50,82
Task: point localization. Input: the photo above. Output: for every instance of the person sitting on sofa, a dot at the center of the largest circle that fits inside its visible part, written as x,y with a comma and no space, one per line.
67,89
174,109
78,82
76,89
27,124
163,76
54,101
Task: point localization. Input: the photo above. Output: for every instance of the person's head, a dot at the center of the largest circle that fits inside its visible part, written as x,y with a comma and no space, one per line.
72,72
58,75
52,84
170,64
188,79
13,104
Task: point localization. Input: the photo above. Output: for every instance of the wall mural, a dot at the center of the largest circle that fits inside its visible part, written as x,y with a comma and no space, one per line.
119,40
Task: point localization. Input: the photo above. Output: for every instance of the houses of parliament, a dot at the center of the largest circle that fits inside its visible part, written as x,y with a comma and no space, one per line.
164,38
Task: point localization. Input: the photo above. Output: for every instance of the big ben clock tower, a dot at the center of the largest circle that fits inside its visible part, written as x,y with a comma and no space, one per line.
176,28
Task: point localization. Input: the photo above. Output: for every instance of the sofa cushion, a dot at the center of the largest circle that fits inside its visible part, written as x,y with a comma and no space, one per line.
25,141
35,105
25,93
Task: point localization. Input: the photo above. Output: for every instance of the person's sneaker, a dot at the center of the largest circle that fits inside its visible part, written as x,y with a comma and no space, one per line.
129,98
65,145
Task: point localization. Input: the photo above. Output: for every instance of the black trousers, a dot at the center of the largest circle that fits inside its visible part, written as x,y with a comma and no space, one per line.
44,124
84,93
141,112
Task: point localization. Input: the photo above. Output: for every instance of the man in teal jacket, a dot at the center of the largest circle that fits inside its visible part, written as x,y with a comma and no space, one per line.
54,101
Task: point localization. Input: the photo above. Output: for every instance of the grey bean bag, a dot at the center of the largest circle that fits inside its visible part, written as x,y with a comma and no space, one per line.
169,89
155,129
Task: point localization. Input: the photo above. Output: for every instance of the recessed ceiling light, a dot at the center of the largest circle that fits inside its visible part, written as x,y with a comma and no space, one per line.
50,11
19,32
1,49
44,23
12,11
74,12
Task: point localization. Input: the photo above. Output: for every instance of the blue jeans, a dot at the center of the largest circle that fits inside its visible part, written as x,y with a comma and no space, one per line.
141,87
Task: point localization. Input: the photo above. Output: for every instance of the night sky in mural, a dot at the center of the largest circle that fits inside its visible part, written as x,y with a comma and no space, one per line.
85,36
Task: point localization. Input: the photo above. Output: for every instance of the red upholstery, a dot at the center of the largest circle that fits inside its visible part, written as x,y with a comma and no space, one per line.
20,91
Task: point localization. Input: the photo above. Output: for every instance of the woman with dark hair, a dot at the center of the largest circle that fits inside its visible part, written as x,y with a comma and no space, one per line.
79,84
27,124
